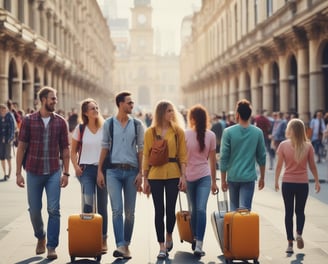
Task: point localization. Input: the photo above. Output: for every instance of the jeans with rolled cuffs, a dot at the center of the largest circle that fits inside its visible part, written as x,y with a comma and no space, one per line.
122,193
88,181
241,195
35,186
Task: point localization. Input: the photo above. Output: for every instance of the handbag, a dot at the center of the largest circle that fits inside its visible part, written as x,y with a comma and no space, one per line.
159,153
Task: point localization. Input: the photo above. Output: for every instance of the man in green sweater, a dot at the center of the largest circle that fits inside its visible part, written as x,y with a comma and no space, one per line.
242,145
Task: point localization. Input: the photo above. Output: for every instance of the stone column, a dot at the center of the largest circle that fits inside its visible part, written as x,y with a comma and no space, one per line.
225,95
242,86
283,84
316,99
303,84
232,93
17,91
267,88
255,95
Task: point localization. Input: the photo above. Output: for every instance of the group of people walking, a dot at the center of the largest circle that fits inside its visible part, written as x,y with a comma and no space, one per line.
111,159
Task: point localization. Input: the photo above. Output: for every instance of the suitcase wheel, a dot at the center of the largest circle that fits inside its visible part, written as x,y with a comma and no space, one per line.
98,258
255,261
229,261
72,259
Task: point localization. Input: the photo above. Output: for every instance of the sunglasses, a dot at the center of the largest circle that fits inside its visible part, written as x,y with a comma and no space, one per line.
93,108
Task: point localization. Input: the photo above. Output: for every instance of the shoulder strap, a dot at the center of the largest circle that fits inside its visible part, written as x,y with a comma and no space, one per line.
81,128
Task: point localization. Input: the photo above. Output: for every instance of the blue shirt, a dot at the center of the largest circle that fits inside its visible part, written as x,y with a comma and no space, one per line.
126,144
241,147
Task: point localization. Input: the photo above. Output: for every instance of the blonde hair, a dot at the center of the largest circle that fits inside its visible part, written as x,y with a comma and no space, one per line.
296,133
159,115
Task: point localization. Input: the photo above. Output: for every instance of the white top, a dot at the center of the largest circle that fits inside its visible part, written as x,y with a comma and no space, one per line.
91,145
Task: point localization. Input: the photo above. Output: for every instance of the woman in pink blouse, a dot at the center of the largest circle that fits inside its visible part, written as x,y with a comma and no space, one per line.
296,153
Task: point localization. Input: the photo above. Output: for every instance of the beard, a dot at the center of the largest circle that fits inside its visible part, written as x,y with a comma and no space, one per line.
50,108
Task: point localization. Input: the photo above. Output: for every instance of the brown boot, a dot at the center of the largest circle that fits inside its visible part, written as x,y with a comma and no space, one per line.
41,246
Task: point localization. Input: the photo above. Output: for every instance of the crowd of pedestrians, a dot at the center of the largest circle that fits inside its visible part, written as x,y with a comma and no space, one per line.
110,158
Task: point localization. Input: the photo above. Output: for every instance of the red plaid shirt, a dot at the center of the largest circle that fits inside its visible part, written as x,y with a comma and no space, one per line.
32,131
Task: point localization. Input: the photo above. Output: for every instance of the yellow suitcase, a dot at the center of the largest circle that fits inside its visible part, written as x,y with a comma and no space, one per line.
241,236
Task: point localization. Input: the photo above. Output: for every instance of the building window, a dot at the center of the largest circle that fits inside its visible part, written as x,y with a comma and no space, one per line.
256,12
269,8
7,5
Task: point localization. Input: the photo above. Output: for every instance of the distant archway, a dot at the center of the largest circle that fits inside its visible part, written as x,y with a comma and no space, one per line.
275,87
12,75
293,86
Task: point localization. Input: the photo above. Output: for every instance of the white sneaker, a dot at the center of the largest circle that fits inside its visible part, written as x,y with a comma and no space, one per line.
198,252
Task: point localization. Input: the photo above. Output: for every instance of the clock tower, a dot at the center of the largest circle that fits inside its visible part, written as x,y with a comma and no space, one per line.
141,33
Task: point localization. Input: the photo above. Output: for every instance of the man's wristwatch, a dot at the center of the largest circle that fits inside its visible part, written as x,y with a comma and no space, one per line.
66,174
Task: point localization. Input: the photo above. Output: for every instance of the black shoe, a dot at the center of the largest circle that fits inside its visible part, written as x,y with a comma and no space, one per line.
193,245
6,177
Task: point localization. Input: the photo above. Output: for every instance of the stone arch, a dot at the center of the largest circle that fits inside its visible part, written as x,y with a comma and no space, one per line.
12,79
292,84
26,91
275,79
324,67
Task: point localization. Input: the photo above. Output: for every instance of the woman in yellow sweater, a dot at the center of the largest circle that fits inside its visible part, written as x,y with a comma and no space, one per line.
168,178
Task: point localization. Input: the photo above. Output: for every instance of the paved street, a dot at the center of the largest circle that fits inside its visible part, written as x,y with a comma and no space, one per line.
17,244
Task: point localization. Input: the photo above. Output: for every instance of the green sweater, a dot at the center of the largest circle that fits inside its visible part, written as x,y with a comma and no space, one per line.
240,148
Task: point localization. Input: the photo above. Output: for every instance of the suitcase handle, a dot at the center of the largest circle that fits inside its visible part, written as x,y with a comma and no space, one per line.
224,202
86,216
242,211
180,204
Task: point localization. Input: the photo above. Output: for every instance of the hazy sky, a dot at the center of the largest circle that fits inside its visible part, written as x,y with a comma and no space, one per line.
167,15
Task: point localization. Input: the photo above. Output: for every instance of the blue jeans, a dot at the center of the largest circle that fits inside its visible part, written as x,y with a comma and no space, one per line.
35,186
198,192
241,195
294,193
88,181
317,145
122,182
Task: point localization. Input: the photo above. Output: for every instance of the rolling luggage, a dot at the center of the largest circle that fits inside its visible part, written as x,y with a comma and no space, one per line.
183,219
241,236
85,234
217,219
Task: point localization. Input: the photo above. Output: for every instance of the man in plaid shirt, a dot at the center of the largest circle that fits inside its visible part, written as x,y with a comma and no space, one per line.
43,139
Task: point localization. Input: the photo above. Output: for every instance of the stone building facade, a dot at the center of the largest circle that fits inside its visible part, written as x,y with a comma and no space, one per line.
58,43
272,52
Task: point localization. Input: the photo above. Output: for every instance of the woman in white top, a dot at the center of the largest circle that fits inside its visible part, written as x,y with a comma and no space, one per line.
85,151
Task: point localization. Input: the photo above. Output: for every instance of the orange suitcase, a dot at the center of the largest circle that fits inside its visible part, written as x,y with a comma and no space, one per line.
85,232
183,219
241,236
85,235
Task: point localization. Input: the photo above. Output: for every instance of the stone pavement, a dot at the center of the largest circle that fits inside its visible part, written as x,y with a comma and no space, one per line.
17,245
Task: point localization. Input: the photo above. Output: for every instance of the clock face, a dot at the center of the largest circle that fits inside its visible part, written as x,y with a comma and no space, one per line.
142,19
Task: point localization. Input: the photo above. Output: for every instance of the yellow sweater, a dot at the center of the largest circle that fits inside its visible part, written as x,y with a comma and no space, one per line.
169,170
